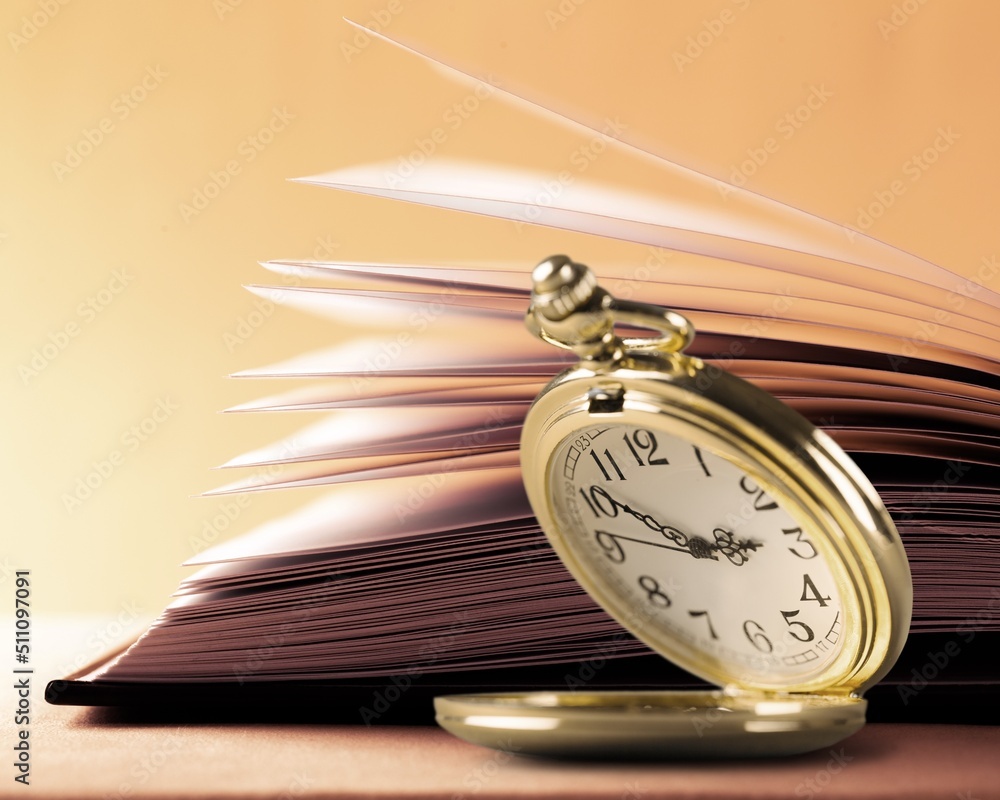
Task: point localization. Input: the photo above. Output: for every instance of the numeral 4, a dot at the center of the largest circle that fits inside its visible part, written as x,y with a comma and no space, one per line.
810,592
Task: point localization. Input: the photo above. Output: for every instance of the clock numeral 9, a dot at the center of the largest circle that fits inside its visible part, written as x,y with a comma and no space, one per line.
609,543
654,594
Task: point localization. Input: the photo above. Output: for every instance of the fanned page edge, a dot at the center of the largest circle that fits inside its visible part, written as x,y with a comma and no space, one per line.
931,273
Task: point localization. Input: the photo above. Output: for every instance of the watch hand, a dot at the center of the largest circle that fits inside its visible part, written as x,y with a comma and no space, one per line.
648,520
735,550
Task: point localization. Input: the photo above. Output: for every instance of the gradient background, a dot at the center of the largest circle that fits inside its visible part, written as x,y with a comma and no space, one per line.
898,72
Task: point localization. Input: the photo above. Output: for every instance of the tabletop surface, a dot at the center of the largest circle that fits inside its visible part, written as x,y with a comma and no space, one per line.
93,753
113,755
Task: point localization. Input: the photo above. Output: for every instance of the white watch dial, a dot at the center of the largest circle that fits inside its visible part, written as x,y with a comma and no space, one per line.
696,549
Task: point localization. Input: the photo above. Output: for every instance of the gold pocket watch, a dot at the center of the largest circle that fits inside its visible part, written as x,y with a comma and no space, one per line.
714,523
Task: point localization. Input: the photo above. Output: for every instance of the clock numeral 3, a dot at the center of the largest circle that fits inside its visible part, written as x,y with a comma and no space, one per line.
800,538
654,594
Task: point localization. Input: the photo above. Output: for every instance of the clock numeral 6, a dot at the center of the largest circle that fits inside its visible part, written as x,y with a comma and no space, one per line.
654,594
797,630
755,633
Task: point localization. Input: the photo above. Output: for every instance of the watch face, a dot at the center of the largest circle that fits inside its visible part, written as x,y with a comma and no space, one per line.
691,550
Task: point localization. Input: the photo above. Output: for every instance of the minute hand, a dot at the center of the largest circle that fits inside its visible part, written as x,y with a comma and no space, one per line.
736,551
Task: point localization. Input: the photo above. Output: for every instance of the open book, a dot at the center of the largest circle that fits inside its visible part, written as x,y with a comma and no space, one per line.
422,568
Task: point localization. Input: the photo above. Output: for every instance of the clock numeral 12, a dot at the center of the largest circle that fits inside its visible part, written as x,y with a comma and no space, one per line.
644,440
641,444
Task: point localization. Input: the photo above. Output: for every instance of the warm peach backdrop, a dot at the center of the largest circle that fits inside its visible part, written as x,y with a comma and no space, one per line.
136,296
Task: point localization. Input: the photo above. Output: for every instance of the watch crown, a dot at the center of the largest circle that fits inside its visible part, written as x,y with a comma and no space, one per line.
560,286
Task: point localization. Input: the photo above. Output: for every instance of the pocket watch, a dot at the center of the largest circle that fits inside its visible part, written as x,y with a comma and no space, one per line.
714,523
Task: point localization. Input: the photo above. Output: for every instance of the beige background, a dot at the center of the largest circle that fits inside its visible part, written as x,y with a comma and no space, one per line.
893,74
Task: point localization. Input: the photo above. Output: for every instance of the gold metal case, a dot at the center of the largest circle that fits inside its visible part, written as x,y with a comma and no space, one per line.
651,384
